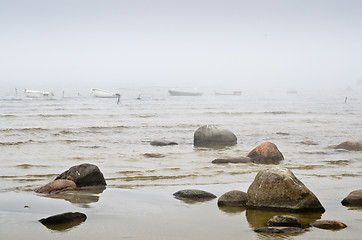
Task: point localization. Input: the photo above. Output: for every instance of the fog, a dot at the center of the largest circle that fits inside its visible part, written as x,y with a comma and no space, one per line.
225,44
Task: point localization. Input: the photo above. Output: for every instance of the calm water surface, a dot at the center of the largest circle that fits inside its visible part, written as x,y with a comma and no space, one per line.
40,138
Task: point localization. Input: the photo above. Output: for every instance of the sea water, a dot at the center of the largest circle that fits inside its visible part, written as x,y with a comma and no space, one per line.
41,138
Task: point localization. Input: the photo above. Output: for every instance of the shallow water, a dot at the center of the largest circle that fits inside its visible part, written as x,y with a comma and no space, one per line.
41,138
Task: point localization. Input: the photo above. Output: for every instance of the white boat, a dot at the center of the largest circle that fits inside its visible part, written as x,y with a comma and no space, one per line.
37,94
235,93
104,94
175,92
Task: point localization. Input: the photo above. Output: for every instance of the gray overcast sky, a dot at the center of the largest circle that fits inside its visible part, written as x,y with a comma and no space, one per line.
215,43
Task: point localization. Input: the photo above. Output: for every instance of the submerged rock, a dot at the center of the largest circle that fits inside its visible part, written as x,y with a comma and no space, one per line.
56,186
194,194
328,224
232,160
309,142
212,136
266,153
279,230
350,145
278,188
233,198
284,221
162,143
353,199
84,175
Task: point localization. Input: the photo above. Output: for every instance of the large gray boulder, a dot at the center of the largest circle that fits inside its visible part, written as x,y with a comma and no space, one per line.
350,145
266,153
278,188
84,175
212,136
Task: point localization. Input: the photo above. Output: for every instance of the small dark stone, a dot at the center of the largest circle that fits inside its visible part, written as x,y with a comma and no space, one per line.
353,199
233,198
232,160
279,230
194,194
309,142
64,218
162,143
285,221
328,224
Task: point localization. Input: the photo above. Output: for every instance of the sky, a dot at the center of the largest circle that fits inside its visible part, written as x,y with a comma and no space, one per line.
221,44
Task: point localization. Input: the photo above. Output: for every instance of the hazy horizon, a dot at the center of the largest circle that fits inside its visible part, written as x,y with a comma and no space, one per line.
279,44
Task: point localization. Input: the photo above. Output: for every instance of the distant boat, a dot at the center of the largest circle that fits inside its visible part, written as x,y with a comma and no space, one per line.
104,94
37,94
235,93
175,92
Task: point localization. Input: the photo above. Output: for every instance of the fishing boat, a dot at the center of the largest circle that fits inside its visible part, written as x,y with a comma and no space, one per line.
37,94
234,93
176,92
104,94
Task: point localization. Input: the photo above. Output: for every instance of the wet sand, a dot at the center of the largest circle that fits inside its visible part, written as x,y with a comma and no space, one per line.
153,213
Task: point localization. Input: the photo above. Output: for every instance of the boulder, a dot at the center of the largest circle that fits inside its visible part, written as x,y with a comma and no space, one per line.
328,224
162,143
57,186
64,218
194,194
64,221
284,221
266,153
232,160
278,188
279,230
353,199
233,198
84,175
212,136
350,145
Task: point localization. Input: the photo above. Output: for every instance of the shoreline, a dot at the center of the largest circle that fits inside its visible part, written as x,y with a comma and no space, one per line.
153,213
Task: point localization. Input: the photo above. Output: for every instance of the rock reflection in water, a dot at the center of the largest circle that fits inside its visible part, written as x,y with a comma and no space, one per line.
193,201
232,210
258,218
82,197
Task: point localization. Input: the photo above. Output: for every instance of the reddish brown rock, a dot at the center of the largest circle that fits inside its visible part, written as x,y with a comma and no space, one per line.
328,224
266,153
57,186
353,199
350,145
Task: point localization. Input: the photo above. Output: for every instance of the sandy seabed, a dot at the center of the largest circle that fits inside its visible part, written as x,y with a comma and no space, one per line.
153,213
